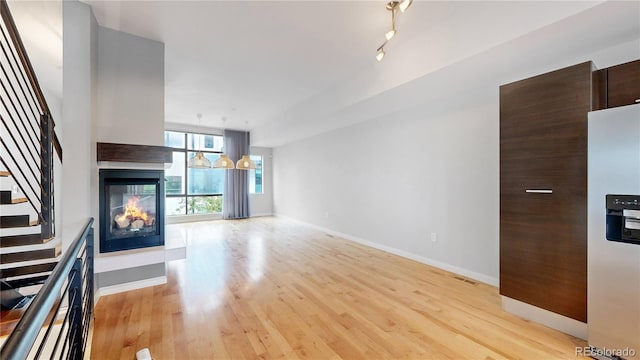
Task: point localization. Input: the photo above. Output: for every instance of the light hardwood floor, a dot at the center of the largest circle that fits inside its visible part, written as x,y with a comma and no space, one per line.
274,289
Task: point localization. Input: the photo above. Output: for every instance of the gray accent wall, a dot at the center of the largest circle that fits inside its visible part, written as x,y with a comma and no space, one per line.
131,89
117,277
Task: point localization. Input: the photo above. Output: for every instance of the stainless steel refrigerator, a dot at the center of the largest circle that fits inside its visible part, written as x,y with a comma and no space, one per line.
613,299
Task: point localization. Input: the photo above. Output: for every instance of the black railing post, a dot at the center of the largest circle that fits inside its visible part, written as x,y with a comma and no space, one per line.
46,173
89,265
75,309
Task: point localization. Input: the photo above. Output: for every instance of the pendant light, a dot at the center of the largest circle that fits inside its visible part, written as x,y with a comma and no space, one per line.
245,163
198,161
223,162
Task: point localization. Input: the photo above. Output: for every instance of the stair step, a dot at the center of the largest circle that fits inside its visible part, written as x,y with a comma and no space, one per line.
13,221
27,269
20,231
7,199
30,255
23,208
20,240
29,281
10,297
4,173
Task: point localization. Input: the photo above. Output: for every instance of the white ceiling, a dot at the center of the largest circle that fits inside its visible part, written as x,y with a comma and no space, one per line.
248,60
269,66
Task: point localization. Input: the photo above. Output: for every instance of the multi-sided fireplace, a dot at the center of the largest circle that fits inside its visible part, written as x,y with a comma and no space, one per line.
131,209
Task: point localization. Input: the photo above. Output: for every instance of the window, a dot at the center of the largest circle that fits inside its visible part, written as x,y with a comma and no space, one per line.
193,191
255,176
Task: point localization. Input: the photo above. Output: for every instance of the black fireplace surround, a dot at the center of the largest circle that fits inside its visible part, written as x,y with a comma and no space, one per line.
131,209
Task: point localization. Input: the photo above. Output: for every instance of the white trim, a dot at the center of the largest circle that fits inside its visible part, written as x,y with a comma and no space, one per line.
134,285
545,317
261,215
431,262
180,219
194,129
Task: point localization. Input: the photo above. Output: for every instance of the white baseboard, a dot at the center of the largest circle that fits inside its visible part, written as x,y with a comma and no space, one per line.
421,259
180,219
261,214
545,317
134,285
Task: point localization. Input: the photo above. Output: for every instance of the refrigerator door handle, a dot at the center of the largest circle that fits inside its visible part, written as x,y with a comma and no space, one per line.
539,191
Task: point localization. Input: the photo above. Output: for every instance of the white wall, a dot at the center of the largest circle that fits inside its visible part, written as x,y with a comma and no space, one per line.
262,204
76,128
397,179
131,89
427,168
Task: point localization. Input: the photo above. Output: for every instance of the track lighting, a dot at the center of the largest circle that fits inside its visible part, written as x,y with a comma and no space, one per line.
392,6
404,5
390,34
380,54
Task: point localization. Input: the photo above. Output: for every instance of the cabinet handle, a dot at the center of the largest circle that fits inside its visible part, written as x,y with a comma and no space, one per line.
638,100
539,191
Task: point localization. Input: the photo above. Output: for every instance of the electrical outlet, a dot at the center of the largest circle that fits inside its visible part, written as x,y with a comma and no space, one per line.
434,237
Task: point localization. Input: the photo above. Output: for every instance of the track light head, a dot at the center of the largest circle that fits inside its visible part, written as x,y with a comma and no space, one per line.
380,54
391,33
404,5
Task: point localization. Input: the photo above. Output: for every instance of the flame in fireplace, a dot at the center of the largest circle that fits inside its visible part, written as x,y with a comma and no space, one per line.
134,215
133,211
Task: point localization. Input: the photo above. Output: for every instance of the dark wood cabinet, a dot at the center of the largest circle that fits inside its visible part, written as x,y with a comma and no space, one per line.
617,85
543,190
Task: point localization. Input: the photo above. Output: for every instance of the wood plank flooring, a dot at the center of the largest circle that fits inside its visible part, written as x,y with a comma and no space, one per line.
269,288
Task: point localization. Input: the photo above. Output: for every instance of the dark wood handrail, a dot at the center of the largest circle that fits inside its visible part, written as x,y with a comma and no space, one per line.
31,75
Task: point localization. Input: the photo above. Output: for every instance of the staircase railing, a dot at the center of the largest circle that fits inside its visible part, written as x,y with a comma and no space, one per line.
48,328
28,140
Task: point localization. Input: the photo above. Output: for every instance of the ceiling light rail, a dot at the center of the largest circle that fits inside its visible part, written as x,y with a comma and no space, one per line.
392,6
